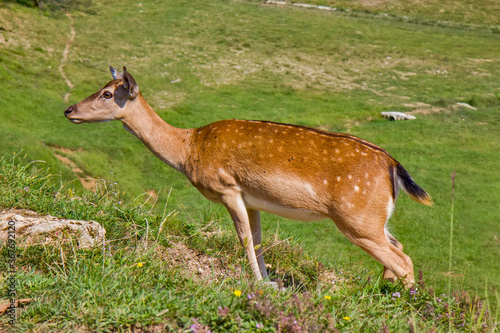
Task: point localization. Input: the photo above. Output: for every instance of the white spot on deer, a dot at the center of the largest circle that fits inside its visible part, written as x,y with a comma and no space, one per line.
349,176
390,207
356,188
310,189
325,182
338,178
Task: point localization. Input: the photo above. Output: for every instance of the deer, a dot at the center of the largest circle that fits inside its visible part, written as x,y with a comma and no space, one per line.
293,171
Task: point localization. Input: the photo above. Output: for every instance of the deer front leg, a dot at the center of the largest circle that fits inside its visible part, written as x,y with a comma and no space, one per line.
236,207
254,216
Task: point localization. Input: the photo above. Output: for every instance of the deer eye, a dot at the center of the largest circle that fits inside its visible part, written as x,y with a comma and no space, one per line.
107,95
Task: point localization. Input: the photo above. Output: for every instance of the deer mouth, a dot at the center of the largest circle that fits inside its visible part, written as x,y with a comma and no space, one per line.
76,120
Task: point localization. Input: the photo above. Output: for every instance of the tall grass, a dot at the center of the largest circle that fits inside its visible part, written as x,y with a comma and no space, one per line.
451,227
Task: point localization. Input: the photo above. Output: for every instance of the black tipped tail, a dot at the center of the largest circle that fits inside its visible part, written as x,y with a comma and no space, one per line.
407,183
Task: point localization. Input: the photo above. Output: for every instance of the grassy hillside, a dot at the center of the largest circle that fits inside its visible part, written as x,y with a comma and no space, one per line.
161,273
200,61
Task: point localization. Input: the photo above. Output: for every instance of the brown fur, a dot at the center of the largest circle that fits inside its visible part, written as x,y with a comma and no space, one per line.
293,171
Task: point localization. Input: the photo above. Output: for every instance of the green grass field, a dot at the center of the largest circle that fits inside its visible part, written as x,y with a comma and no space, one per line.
200,61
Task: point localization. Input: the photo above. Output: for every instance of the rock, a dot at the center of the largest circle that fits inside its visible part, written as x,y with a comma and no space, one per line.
33,229
465,105
394,115
272,2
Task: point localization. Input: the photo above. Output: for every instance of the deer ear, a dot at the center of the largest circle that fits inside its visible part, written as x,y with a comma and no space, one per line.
115,74
129,84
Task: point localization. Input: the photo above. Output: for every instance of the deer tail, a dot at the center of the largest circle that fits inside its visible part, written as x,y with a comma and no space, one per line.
401,178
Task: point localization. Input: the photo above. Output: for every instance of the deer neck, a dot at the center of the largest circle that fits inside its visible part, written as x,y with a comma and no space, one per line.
167,142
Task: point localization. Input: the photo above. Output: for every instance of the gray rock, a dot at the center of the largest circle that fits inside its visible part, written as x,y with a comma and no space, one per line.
33,229
394,115
466,106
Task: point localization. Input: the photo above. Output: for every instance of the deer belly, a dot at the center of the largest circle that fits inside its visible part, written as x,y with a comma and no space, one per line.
293,213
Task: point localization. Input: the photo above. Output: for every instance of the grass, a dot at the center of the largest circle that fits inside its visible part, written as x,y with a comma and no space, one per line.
242,59
130,283
472,13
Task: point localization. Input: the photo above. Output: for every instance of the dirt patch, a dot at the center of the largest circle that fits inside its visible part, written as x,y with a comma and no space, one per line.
62,153
64,149
167,99
88,183
424,108
199,265
64,58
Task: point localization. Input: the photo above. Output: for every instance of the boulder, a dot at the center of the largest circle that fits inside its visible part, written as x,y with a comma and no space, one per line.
394,115
32,229
465,106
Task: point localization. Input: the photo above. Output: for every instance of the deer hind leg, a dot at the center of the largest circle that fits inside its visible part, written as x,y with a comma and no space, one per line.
240,216
371,237
254,217
388,274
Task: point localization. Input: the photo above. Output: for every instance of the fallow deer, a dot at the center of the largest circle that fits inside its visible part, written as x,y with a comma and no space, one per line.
292,171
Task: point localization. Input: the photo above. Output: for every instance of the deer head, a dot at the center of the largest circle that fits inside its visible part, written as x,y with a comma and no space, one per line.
109,103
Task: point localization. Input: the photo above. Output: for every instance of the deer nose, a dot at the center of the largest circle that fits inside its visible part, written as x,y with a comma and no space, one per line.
69,110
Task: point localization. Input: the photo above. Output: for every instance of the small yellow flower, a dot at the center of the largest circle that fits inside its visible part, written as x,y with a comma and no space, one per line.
237,293
346,318
328,297
140,264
